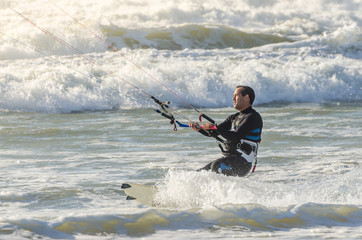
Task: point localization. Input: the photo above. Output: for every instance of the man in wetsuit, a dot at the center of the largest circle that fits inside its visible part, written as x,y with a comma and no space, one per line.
242,132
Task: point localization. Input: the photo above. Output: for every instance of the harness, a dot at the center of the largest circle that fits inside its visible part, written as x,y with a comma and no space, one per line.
248,150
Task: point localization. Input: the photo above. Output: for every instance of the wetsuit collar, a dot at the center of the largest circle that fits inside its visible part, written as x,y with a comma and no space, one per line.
246,110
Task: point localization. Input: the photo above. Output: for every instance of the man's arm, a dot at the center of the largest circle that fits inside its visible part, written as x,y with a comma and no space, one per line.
248,124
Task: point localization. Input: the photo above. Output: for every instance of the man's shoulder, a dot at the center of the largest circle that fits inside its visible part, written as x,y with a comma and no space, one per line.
254,115
256,112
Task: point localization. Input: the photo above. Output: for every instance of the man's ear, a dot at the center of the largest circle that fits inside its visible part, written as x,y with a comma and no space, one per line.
247,98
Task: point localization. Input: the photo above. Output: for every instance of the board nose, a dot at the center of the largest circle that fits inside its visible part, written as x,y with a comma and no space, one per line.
125,185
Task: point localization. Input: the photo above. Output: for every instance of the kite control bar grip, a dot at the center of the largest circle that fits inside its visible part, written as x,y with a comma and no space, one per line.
213,128
206,117
186,125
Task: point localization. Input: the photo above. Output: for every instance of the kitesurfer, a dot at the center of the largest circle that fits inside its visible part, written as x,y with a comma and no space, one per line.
242,132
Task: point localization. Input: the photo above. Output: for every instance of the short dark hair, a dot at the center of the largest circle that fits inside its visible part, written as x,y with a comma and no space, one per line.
247,90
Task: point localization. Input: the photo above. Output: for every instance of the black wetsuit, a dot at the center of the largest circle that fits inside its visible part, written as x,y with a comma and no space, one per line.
247,125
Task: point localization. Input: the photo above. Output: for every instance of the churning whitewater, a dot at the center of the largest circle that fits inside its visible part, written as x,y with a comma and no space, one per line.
74,125
199,50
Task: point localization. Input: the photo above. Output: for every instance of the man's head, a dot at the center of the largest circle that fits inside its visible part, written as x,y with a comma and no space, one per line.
243,97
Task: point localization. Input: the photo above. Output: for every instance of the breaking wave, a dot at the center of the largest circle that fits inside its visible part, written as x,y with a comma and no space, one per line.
190,36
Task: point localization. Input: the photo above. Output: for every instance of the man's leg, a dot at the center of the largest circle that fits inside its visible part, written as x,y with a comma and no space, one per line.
207,167
231,166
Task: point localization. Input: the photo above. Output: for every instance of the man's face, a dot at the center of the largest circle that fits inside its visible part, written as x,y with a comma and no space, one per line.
240,102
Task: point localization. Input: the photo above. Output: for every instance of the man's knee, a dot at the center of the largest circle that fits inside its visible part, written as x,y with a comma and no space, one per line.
221,167
231,166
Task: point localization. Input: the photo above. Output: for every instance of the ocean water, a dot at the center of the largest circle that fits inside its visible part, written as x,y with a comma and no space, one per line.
77,121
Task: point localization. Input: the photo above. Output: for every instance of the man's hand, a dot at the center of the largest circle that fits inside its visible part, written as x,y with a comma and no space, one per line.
208,126
195,126
205,126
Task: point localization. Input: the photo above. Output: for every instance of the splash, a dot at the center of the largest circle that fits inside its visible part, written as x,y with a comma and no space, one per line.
179,190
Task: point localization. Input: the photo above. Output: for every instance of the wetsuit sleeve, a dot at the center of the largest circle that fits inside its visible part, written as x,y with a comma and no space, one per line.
250,122
225,126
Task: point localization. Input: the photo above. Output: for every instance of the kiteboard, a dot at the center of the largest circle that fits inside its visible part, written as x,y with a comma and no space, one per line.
141,193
